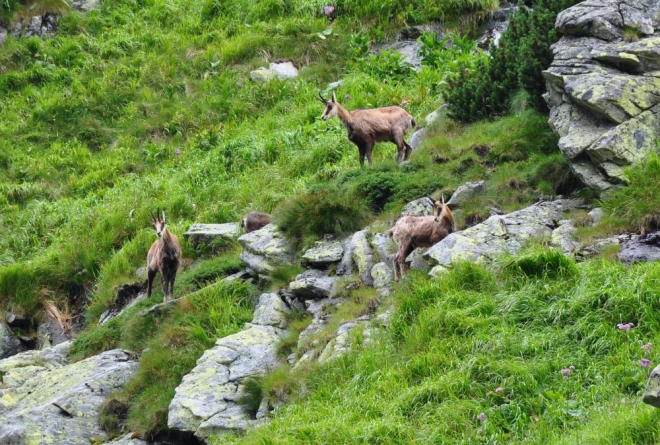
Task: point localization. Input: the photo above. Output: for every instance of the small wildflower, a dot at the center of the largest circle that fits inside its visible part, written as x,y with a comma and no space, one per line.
645,363
566,372
625,326
482,417
647,347
177,152
194,205
572,368
328,10
498,389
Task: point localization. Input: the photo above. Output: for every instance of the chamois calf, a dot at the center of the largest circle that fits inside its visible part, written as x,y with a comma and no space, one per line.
255,221
420,231
366,127
164,256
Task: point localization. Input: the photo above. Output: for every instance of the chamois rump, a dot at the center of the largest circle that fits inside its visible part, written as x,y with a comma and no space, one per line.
164,256
366,127
255,221
410,232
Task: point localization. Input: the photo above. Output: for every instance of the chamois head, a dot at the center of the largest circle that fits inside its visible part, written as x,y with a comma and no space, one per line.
158,221
330,106
441,211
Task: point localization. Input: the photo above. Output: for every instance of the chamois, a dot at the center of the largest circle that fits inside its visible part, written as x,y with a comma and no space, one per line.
420,231
164,256
255,221
366,127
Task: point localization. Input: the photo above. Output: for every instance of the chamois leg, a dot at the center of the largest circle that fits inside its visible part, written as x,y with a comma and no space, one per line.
172,284
164,282
361,148
407,152
151,274
400,260
369,148
397,139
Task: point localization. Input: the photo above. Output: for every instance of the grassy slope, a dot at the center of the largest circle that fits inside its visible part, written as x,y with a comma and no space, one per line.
493,342
90,122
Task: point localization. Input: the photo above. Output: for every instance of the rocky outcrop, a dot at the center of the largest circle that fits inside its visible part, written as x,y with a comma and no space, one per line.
465,192
9,343
503,234
324,253
640,249
314,284
206,234
46,400
603,90
265,249
363,256
206,401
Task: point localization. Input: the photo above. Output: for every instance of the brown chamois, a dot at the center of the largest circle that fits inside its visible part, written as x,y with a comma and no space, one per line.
420,231
255,221
164,256
366,127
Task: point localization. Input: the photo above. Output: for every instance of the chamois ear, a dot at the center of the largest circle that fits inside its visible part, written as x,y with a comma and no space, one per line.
334,97
163,216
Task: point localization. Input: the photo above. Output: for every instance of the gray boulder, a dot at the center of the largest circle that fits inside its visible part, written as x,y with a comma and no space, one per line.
9,343
651,394
418,207
500,234
314,284
265,249
641,249
363,256
383,276
284,70
602,91
324,253
46,400
205,403
205,234
465,192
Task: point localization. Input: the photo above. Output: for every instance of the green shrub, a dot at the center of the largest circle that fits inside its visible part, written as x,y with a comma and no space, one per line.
523,52
327,210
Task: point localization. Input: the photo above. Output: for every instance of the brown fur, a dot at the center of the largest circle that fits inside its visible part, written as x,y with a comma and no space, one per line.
164,256
411,232
255,221
366,127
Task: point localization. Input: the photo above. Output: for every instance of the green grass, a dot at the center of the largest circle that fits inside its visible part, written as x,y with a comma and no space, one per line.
486,341
170,341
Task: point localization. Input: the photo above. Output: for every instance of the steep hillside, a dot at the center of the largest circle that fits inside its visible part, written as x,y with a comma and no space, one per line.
148,104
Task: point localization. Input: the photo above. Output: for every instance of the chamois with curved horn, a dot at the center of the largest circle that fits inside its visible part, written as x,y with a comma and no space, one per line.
164,256
411,232
366,127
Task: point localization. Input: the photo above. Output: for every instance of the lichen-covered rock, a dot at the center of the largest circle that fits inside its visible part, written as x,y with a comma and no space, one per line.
418,207
205,234
324,253
602,91
417,138
9,343
262,75
205,402
500,234
45,400
465,192
651,394
314,284
563,237
363,256
596,215
128,439
383,276
265,249
385,248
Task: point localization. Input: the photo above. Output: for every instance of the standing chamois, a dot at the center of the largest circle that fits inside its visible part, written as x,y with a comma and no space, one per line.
366,127
420,231
164,256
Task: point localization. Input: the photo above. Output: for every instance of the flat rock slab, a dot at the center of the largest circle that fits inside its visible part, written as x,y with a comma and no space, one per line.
501,234
45,400
205,234
324,253
314,284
